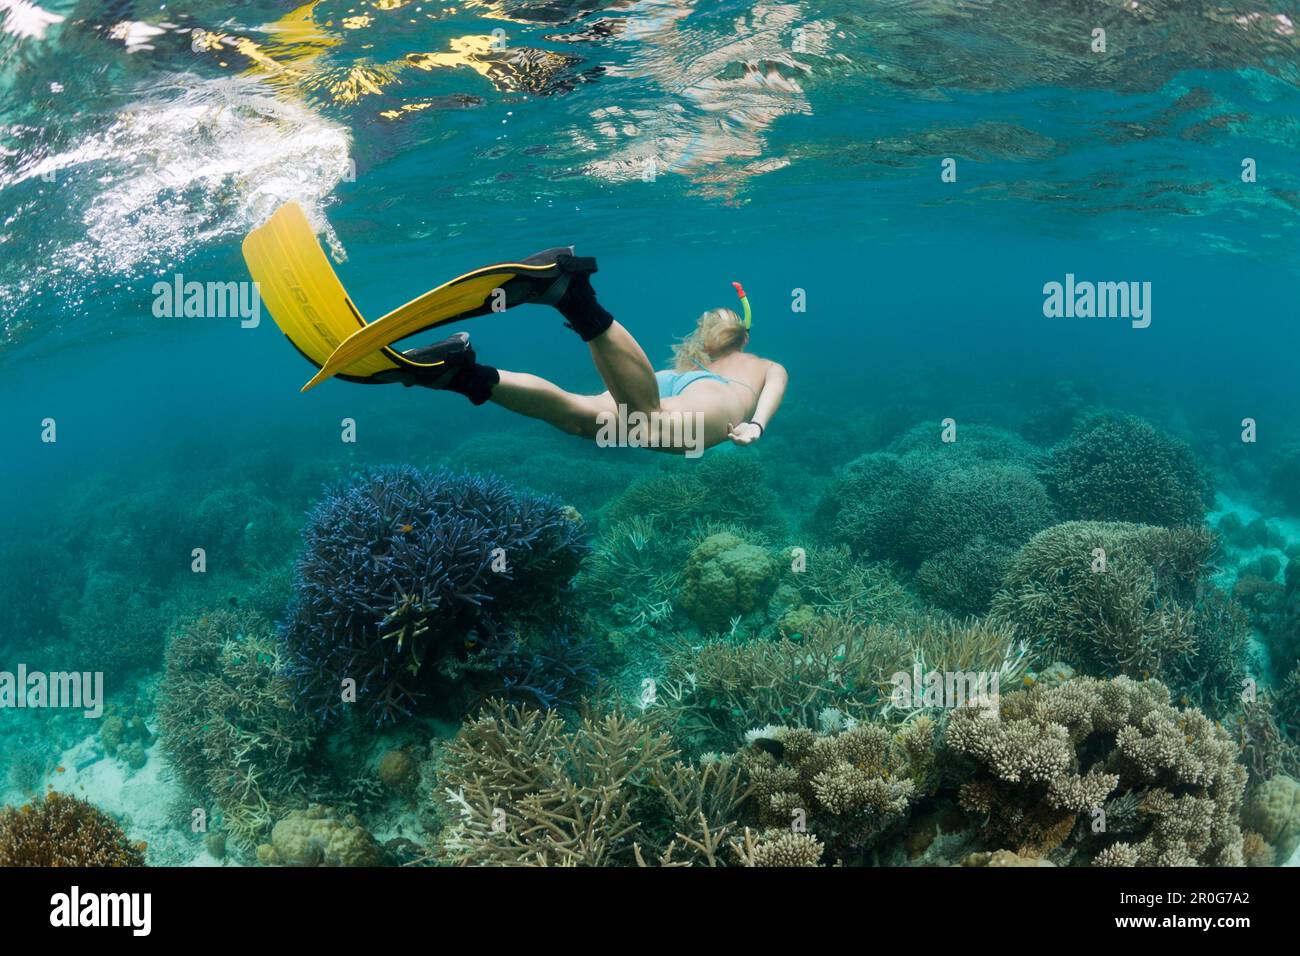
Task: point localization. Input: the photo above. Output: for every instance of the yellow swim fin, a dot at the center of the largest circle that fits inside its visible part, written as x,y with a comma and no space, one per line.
311,307
303,294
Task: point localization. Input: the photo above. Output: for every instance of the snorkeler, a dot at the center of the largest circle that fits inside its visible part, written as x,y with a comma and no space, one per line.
732,393
715,383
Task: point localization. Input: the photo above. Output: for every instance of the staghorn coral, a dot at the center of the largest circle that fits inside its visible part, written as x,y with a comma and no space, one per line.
1054,755
547,669
724,578
1266,749
1288,704
60,830
716,691
1117,467
633,572
228,724
400,566
1140,616
848,788
833,582
521,790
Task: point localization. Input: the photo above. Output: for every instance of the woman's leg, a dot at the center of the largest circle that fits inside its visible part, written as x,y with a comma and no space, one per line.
537,398
626,371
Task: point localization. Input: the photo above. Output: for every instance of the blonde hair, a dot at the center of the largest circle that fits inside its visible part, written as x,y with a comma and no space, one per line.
718,332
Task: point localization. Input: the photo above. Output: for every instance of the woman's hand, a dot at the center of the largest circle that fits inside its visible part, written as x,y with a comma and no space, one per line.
746,433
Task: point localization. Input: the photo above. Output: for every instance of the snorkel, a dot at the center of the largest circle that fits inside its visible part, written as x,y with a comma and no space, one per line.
744,304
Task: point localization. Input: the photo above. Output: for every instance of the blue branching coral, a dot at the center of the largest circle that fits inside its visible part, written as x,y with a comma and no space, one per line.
403,569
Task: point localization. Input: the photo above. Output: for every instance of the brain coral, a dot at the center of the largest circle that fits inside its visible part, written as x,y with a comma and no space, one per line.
1116,467
401,567
726,577
59,830
317,836
1273,811
1053,756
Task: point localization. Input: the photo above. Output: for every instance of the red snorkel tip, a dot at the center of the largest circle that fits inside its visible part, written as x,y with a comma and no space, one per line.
740,291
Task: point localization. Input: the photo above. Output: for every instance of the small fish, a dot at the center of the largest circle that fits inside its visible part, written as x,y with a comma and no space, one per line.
59,770
406,528
773,747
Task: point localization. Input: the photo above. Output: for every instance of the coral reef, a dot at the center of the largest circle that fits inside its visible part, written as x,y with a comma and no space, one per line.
1054,756
724,578
833,582
1258,533
1284,477
59,830
1117,467
973,444
228,724
870,503
318,836
401,566
633,572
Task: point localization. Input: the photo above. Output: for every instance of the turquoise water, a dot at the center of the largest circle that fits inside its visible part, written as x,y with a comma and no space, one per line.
797,147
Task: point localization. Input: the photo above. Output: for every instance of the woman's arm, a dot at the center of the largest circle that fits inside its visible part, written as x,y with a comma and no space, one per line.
769,400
